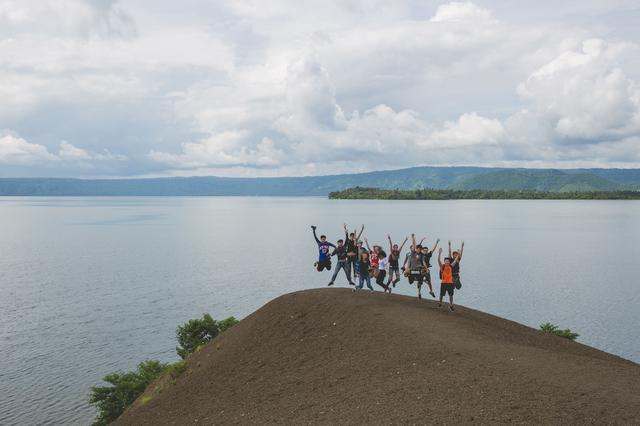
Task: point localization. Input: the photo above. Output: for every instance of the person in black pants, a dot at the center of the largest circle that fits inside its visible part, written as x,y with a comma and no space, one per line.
351,242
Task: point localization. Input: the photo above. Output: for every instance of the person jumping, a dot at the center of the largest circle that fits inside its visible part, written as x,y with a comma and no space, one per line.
382,271
341,253
446,272
324,258
456,268
351,241
416,265
426,253
365,266
394,257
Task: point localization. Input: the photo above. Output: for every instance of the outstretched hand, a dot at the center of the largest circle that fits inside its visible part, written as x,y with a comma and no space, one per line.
313,227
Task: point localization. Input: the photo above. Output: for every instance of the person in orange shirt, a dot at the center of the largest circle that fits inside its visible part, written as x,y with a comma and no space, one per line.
446,275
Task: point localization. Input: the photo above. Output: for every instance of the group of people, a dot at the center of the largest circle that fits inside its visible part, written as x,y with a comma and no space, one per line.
372,262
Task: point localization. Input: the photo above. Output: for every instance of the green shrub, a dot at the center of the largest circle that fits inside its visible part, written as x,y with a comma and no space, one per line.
547,327
175,370
197,332
227,323
124,388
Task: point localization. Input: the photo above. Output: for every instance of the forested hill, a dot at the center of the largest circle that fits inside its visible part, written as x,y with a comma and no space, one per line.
463,178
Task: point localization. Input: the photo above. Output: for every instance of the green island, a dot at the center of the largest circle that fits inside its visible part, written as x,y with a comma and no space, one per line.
358,193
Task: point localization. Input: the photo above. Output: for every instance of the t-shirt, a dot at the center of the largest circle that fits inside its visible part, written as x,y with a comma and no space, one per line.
427,259
323,250
351,245
364,265
340,252
382,264
393,258
415,261
456,268
446,272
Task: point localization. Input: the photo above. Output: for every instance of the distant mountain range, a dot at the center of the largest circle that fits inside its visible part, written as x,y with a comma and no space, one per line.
412,178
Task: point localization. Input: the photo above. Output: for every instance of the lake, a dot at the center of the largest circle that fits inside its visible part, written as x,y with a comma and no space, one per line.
94,285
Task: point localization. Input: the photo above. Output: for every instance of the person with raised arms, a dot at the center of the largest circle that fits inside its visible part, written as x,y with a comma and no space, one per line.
427,260
352,250
416,265
446,277
456,268
365,266
373,257
341,254
324,248
394,257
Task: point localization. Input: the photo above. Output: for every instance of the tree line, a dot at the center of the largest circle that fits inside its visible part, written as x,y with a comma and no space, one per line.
359,193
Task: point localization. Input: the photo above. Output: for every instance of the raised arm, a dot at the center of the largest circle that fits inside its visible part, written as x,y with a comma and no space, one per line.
360,233
390,244
436,245
346,233
461,250
403,243
449,248
440,257
367,243
314,234
421,241
413,242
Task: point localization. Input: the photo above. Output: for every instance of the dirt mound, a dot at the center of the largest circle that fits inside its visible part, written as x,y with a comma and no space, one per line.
333,357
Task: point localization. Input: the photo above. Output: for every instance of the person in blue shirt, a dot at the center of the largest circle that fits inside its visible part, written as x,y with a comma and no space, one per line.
324,252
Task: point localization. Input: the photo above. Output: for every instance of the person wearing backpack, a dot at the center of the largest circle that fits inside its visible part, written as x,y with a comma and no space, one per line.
456,268
446,277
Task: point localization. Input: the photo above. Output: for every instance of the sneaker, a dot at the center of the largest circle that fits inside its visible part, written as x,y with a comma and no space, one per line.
352,283
371,291
330,284
389,290
419,296
354,289
315,264
432,294
451,308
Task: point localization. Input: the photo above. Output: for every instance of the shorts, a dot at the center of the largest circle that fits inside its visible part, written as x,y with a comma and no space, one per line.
456,281
446,288
415,275
427,277
324,264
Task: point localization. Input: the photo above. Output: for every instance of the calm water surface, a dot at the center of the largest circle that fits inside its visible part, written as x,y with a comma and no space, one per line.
93,285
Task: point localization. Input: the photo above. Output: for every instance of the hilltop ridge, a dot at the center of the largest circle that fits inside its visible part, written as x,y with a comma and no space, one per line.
402,179
329,356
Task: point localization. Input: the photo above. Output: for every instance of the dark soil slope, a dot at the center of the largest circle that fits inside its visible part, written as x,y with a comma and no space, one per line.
333,357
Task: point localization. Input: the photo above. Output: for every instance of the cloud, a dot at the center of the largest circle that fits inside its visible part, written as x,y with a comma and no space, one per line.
335,86
585,93
15,150
462,12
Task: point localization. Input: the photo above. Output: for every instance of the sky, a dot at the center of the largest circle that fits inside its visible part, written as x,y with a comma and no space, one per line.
107,88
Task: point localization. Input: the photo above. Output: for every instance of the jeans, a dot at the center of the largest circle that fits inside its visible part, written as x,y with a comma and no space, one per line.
344,265
363,278
353,265
394,270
